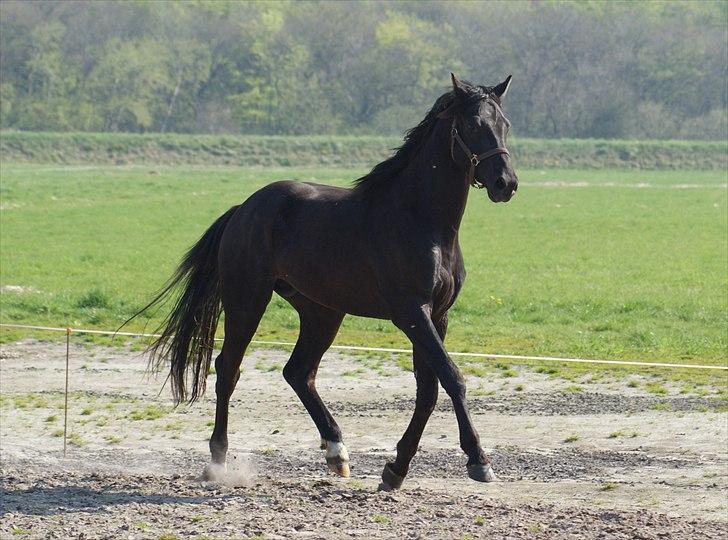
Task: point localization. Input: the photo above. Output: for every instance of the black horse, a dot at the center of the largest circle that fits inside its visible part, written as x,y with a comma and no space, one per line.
387,248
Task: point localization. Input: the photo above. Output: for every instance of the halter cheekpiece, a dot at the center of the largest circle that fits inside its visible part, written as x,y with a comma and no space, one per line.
474,159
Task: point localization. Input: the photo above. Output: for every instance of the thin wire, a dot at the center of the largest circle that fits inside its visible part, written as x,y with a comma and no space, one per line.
399,351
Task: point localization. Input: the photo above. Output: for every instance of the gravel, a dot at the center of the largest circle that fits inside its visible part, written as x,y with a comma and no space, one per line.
79,505
550,404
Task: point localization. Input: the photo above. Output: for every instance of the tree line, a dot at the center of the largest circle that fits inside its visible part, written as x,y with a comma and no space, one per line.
581,69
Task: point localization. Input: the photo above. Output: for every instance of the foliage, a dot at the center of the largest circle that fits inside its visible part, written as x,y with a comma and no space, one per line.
582,69
341,151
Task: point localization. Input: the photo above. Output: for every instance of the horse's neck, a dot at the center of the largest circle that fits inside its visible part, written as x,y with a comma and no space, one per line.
437,185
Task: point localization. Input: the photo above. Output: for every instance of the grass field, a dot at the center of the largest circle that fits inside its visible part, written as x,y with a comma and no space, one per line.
589,263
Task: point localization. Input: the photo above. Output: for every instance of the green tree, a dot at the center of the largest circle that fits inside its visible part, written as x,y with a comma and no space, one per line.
128,84
50,80
581,69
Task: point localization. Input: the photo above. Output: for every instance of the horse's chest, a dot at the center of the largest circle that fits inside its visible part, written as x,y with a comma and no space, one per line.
447,282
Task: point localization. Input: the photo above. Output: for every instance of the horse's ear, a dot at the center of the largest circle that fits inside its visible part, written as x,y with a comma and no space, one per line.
501,89
458,87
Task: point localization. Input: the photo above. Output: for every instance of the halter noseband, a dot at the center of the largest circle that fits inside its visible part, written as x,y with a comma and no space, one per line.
474,159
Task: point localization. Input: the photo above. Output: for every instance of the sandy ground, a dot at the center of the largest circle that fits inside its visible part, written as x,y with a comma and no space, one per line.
602,460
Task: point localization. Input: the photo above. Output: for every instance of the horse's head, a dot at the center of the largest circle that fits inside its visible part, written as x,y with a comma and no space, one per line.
478,137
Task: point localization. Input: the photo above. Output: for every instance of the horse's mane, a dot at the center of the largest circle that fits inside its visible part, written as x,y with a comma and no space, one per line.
414,139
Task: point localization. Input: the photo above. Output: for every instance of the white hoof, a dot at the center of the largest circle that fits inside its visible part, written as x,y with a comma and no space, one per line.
337,457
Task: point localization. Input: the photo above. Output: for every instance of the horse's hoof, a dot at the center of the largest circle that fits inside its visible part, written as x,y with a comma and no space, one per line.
481,473
390,479
214,472
337,457
338,466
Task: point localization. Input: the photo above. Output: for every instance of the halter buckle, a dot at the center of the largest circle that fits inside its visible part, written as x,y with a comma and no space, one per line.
474,160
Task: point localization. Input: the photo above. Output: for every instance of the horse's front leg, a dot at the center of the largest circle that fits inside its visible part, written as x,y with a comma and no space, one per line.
427,390
413,318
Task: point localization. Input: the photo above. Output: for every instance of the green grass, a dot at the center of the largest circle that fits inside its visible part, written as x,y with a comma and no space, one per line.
656,388
662,406
475,370
603,271
76,440
150,412
260,366
404,362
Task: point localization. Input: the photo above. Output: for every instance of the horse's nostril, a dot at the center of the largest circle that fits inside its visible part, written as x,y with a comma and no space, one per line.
500,183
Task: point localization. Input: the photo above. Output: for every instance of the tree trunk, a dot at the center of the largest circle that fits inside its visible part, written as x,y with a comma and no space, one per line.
171,106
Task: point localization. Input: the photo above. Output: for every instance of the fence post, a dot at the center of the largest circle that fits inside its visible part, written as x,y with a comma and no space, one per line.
65,407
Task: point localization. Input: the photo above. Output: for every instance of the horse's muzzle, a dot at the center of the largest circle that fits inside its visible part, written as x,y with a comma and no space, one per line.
503,190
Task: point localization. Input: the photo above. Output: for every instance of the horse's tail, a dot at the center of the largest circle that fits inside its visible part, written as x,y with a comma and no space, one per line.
187,335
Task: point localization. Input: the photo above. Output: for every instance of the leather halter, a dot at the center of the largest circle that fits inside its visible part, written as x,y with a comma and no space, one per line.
474,159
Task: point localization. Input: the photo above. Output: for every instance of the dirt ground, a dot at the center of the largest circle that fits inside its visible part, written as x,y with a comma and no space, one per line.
575,459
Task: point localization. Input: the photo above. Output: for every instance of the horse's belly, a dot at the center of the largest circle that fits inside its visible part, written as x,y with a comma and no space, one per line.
334,282
344,297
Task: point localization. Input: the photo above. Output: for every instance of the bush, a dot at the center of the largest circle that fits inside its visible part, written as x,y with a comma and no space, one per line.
341,151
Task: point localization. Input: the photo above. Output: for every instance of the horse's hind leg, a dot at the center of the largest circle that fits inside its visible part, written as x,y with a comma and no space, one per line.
240,325
319,326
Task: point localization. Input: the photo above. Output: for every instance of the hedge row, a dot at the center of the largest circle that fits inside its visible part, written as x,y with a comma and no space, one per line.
338,151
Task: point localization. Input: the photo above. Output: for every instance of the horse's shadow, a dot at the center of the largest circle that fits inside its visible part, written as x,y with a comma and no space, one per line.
53,500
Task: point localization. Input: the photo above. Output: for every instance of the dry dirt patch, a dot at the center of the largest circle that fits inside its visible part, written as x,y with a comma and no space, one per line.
631,469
